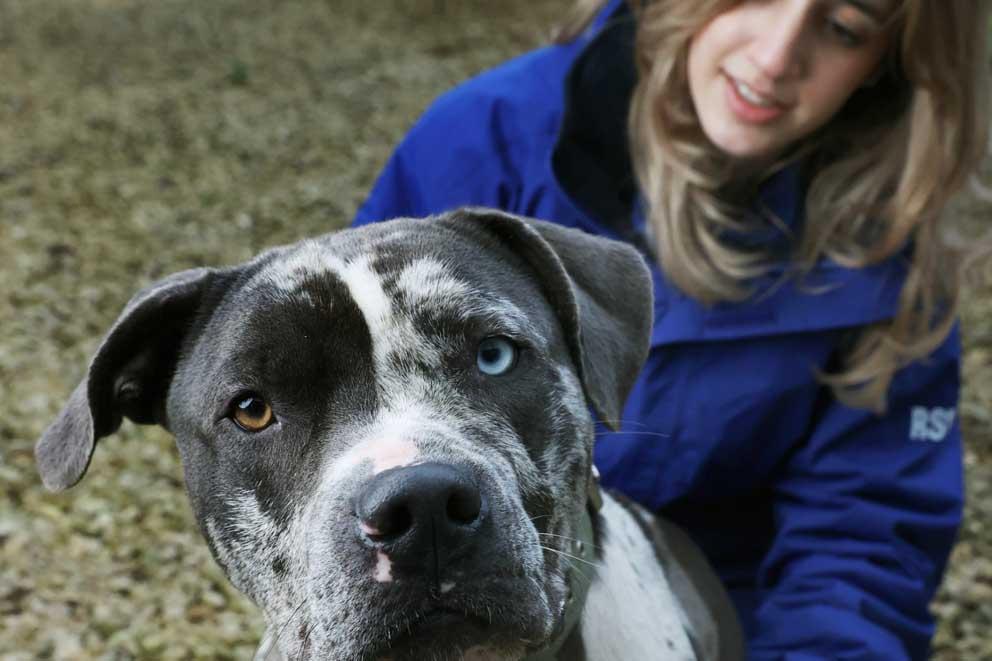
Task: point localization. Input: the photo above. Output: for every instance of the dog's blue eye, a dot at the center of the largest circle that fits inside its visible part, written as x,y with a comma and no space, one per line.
497,355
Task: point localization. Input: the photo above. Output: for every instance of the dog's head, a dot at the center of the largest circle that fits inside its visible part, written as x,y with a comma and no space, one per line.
384,431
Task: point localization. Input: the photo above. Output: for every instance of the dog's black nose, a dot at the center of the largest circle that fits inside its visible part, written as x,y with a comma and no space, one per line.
428,508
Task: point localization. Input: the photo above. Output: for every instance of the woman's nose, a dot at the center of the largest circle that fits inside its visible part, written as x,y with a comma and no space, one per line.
780,50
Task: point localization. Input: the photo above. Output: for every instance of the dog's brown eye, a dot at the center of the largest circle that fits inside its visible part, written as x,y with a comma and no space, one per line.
252,413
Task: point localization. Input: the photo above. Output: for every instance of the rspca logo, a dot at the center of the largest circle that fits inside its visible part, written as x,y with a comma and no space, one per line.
930,424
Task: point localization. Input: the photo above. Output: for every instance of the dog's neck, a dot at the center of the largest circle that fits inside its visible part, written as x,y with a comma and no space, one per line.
583,559
630,610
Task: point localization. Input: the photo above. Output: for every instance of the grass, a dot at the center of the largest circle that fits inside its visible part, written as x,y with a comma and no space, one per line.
140,138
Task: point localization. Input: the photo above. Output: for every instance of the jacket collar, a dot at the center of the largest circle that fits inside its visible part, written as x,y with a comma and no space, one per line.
591,158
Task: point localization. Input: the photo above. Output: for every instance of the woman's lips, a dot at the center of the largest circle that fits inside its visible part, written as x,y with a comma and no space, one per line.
750,106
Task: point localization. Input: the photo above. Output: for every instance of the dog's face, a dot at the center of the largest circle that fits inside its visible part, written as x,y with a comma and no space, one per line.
384,432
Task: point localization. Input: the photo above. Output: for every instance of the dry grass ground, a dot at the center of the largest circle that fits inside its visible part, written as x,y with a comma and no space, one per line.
138,138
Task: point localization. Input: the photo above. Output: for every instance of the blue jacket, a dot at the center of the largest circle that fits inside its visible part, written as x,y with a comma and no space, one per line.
830,526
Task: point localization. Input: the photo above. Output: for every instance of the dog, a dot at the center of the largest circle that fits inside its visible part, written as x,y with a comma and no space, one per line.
386,439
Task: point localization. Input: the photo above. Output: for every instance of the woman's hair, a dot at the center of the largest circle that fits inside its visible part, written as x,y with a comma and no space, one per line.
880,174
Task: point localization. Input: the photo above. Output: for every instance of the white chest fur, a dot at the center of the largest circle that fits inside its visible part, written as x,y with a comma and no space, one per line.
631,612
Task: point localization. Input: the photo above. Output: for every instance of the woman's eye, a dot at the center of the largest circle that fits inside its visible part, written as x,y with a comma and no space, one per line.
252,413
844,34
497,355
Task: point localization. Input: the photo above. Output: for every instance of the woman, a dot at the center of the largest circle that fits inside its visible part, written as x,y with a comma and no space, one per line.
783,165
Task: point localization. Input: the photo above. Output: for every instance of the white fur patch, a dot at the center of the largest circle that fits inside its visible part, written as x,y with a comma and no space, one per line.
368,530
307,259
391,440
630,611
250,569
366,289
383,568
394,454
391,333
383,451
427,280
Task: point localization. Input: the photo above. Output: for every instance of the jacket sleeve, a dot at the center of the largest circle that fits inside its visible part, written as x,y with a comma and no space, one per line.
866,512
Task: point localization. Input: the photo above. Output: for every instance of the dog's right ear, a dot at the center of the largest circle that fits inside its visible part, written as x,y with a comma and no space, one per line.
601,291
128,376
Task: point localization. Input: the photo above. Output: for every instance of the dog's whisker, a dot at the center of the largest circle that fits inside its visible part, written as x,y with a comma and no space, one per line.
285,625
576,558
305,640
624,422
602,434
573,540
571,556
557,536
551,534
578,570
582,576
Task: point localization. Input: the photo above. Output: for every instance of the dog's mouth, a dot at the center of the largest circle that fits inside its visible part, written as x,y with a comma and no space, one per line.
440,621
437,634
449,631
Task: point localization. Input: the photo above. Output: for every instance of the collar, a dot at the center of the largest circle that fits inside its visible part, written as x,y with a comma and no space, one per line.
582,552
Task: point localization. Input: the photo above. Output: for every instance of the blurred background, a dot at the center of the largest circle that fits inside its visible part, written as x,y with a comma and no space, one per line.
141,137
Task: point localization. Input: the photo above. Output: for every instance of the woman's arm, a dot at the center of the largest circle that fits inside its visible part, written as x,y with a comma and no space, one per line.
867,513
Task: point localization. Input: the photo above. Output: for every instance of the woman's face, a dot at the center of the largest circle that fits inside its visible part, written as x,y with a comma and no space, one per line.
767,73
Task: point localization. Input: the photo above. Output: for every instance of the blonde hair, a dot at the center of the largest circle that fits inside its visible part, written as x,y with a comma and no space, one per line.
881,173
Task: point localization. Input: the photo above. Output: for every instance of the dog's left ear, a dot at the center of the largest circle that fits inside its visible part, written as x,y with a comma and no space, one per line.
128,376
602,294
